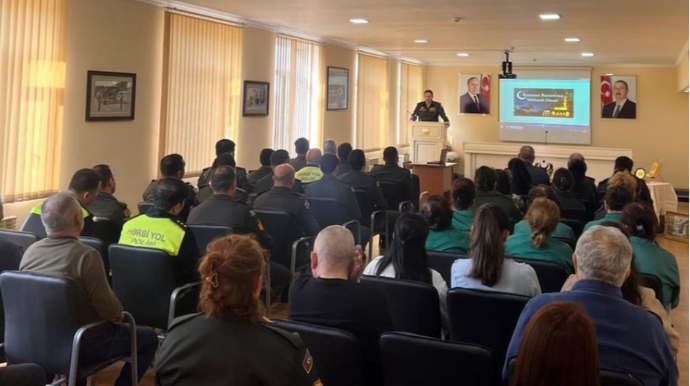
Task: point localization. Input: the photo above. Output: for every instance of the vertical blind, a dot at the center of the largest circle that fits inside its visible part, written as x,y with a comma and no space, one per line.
201,91
411,89
299,92
372,102
32,81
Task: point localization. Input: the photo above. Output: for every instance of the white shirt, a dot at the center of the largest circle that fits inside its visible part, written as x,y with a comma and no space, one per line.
436,281
517,278
621,103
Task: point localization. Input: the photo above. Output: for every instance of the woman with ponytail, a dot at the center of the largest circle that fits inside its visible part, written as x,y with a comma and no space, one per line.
487,268
229,342
443,237
542,217
406,258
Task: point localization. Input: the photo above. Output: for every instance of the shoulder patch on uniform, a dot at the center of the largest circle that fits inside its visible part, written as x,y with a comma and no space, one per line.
180,223
378,184
308,362
183,319
306,204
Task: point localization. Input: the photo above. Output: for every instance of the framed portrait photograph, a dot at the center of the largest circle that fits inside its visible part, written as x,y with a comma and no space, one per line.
338,92
110,96
618,97
255,101
676,226
475,93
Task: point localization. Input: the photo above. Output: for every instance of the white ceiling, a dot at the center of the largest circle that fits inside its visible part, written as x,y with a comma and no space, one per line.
617,31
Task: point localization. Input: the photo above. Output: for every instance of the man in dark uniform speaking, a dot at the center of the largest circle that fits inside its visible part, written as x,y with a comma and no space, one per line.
428,110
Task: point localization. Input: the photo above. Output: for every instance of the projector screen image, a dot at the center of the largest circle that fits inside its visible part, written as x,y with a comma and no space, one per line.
545,110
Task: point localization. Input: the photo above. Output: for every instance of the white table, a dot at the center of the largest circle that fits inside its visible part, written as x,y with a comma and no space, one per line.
664,196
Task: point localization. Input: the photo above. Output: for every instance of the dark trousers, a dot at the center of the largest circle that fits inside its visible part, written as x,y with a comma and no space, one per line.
27,374
114,342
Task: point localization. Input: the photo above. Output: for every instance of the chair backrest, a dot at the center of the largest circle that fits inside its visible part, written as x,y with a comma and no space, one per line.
40,319
551,275
102,249
366,206
143,280
204,234
395,194
414,306
337,354
653,282
486,318
21,238
284,228
574,214
107,231
442,263
327,211
570,242
415,191
144,206
34,225
618,378
576,225
411,360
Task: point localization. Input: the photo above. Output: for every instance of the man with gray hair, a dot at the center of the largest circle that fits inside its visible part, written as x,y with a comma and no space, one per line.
629,338
329,147
538,175
330,294
61,254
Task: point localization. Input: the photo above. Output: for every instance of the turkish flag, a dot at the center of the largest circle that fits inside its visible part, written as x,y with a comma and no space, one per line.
486,91
606,91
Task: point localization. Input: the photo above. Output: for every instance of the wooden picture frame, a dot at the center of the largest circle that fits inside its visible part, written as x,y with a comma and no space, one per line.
110,96
255,98
338,88
676,226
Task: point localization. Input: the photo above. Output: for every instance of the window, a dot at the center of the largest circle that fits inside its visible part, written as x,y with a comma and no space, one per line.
411,88
372,93
299,92
201,87
32,74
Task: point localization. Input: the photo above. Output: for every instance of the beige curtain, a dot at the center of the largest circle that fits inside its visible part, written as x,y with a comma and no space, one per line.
299,92
411,89
32,81
372,102
201,91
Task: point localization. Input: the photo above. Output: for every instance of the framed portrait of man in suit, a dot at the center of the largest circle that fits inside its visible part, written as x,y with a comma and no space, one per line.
475,93
618,97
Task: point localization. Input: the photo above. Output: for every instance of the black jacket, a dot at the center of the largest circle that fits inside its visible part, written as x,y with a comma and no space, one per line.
285,200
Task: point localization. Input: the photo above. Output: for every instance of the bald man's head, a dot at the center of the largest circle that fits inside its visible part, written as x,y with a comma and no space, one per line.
284,175
335,248
576,156
314,156
526,153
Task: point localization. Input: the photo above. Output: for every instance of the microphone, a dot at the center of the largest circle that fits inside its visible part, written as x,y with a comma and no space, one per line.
546,137
412,117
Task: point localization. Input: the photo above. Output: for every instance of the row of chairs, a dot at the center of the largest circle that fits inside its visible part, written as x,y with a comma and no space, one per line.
410,359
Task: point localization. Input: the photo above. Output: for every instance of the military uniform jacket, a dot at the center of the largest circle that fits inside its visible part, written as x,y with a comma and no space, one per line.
330,187
223,210
505,202
284,200
106,206
158,229
188,204
265,184
393,173
240,195
429,113
240,173
299,162
360,181
223,350
256,175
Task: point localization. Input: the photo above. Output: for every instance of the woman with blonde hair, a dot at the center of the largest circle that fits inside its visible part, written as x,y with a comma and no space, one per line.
542,217
229,342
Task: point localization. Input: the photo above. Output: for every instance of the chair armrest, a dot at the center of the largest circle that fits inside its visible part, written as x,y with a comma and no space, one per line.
293,257
176,294
403,205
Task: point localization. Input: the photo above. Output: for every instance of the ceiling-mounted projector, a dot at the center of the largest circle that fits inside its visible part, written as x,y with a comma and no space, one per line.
507,67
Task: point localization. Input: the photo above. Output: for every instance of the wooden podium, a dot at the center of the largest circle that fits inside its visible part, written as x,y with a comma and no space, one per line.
427,139
435,178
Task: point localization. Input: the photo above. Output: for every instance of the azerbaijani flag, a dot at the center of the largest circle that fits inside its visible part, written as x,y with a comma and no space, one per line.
606,91
486,90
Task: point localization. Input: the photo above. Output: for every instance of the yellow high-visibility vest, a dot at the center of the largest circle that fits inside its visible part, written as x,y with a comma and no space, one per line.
153,232
37,210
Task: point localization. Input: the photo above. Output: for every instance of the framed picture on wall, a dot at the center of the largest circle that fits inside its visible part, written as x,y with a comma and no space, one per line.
110,96
475,93
676,226
338,83
255,102
618,96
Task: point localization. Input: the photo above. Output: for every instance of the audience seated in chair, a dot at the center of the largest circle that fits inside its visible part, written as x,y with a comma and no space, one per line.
230,342
330,295
617,198
61,254
344,151
162,228
240,195
311,172
485,181
562,231
264,170
463,195
563,182
330,147
629,338
391,172
173,166
301,148
406,258
279,157
542,217
583,187
625,165
358,180
224,146
641,223
443,237
282,198
106,206
520,178
559,347
487,268
538,175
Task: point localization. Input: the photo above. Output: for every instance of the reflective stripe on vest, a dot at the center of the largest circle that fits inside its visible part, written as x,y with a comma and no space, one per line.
37,210
153,232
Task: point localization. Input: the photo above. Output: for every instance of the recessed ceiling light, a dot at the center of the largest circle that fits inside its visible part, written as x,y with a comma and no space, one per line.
587,54
359,21
550,16
609,74
421,41
572,40
463,54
